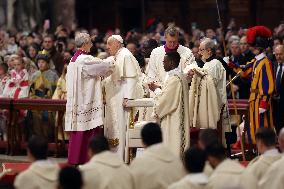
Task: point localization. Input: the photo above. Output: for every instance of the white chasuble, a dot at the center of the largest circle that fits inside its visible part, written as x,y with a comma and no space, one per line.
124,83
208,95
85,112
171,108
157,72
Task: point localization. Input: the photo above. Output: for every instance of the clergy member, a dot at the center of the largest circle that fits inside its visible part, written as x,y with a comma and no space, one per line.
157,167
266,145
227,173
105,169
84,108
123,84
157,73
171,106
214,68
274,177
42,173
194,162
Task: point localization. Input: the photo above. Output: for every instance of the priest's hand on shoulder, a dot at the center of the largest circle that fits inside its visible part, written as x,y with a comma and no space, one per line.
153,86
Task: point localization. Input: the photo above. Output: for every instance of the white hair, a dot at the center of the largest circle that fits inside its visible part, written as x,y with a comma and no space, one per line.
209,44
233,38
235,42
81,39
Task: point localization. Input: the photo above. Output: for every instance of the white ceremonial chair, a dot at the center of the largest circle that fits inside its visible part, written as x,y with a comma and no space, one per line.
133,132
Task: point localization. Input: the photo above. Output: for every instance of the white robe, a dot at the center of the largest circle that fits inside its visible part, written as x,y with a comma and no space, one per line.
229,175
42,174
216,70
84,107
106,170
261,164
274,177
203,101
192,181
171,109
157,72
156,168
125,82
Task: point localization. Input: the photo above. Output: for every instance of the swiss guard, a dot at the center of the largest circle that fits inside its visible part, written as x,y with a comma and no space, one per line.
260,71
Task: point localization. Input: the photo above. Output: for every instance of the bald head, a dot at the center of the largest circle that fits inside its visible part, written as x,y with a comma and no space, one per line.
279,53
281,140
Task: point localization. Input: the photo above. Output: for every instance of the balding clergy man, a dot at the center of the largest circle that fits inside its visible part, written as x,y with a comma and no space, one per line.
123,84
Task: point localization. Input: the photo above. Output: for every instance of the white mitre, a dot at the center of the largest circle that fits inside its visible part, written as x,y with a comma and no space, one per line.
117,37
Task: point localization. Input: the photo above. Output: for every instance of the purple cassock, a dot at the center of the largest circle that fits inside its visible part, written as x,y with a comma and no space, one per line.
79,140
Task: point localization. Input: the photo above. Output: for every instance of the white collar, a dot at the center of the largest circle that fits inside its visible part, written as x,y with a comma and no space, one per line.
173,72
198,178
260,56
271,152
43,162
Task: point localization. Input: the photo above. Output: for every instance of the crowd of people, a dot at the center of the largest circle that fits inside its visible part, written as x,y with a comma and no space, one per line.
33,64
204,166
185,75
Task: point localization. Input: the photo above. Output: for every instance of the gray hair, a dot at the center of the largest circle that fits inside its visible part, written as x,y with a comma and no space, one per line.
172,31
235,42
81,39
209,44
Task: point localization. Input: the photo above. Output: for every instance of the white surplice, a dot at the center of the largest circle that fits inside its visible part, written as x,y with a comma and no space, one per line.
171,109
42,174
218,73
274,176
156,168
85,111
229,174
124,83
259,166
106,170
192,181
157,72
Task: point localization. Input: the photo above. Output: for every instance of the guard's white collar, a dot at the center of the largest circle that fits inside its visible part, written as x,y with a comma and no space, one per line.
260,56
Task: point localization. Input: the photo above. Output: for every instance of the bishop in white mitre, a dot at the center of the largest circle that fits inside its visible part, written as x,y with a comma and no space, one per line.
124,83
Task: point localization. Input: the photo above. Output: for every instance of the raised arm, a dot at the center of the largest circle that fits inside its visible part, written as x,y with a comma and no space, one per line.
245,70
97,67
